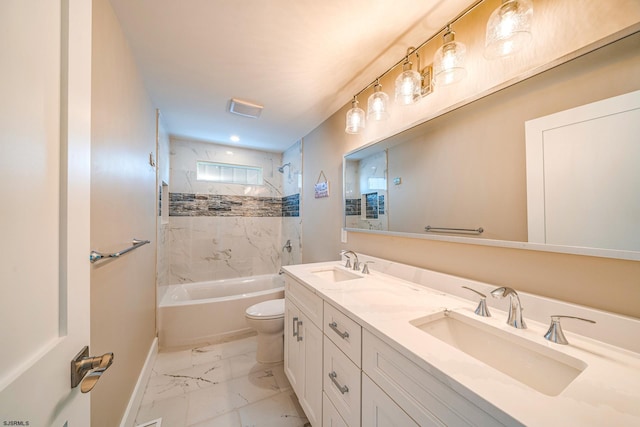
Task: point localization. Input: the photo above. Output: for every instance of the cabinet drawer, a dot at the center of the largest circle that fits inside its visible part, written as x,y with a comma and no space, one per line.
308,302
378,410
344,332
341,383
330,415
420,394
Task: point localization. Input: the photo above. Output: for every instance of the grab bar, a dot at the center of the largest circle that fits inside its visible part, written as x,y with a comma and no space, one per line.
478,230
97,256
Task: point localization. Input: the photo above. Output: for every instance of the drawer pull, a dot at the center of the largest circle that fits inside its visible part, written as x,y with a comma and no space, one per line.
295,322
299,337
343,388
334,326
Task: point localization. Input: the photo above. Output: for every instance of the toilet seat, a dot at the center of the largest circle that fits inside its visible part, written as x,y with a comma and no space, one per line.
272,309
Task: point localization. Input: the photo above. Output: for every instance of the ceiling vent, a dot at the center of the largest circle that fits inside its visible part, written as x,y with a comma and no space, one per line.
244,108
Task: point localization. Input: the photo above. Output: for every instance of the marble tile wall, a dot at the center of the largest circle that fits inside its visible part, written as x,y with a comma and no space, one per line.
221,231
213,248
292,188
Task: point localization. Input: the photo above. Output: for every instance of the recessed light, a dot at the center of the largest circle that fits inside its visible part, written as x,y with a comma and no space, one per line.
234,138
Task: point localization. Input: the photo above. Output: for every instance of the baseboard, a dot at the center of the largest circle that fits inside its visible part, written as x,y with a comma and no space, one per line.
129,416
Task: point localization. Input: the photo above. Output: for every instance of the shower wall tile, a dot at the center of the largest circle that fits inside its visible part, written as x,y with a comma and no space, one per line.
219,231
212,248
292,230
353,207
190,204
291,221
291,205
292,176
185,153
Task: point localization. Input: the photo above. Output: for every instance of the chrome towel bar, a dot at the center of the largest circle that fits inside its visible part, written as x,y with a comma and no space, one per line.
478,230
97,256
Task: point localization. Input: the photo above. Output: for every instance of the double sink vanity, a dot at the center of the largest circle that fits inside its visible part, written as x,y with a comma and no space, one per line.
411,347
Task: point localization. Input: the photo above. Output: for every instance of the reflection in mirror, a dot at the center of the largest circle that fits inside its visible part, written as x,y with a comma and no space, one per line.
444,175
581,182
469,169
365,183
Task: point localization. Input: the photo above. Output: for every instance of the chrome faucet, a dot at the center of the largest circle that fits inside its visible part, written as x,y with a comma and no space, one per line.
515,310
356,263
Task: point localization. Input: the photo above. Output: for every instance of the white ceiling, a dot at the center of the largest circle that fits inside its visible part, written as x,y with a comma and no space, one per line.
301,59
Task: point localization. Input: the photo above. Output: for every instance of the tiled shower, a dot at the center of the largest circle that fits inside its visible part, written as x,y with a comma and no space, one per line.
214,231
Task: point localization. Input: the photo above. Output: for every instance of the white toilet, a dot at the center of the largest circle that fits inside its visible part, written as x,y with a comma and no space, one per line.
267,318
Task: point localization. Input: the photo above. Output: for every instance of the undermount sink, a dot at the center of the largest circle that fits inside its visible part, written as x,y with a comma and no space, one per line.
537,366
335,275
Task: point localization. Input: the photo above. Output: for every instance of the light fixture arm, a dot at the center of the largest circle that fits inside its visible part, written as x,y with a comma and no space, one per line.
411,50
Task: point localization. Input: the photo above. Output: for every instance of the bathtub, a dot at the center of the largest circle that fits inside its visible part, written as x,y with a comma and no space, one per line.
209,312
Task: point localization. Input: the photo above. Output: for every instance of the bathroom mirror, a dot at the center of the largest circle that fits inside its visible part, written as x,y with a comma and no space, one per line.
473,171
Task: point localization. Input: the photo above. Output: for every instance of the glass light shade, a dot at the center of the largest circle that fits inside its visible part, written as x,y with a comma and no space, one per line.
508,28
408,85
355,119
448,62
378,104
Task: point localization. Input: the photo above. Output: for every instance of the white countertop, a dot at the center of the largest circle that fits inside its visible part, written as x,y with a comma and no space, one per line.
606,392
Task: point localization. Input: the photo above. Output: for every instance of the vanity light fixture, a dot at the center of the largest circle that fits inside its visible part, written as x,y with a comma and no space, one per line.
508,28
355,118
378,104
511,31
408,83
448,61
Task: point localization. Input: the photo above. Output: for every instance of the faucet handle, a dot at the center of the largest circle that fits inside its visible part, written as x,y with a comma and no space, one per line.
348,263
365,267
555,334
482,309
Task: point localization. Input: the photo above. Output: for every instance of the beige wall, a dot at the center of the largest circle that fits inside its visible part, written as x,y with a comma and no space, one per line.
122,207
608,284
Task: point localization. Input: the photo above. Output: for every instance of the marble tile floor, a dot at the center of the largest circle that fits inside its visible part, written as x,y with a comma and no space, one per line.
219,385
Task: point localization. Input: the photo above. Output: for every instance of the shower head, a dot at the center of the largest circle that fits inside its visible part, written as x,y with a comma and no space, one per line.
281,168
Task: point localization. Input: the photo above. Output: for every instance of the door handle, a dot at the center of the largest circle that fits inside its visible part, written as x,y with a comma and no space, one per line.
86,370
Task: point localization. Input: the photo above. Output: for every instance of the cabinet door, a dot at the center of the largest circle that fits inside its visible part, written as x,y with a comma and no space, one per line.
378,410
330,415
310,396
293,358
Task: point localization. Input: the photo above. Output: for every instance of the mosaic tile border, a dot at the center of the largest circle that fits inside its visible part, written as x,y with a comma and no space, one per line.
195,204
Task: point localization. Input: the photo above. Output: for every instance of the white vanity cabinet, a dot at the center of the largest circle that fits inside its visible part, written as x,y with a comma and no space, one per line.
421,394
303,347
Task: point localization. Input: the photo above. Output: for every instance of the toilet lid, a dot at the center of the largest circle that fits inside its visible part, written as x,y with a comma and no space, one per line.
267,309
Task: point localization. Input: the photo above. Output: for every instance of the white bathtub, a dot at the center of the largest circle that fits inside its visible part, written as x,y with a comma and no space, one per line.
208,312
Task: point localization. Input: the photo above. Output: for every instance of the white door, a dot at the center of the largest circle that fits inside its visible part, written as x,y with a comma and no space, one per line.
45,126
